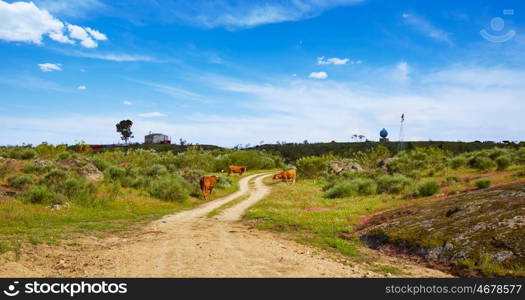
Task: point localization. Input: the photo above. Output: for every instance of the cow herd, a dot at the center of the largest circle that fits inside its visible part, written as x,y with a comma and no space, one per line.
207,183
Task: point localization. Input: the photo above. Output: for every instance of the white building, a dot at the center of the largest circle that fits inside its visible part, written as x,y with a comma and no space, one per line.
157,138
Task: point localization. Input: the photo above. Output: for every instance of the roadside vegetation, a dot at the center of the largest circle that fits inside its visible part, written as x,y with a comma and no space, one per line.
49,192
327,210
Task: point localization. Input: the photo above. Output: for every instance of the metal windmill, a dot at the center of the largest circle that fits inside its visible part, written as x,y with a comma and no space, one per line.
401,144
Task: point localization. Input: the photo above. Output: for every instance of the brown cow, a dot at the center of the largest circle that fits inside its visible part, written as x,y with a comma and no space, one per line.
207,183
286,175
237,169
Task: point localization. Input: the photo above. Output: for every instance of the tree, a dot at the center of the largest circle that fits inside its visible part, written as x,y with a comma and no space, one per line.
124,128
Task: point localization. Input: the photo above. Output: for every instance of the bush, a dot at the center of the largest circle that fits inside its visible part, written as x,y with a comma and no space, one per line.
481,161
224,182
519,156
31,168
313,166
28,154
170,188
356,187
483,183
100,163
114,173
192,176
503,162
341,190
253,159
40,195
393,184
21,181
64,155
458,162
365,186
53,177
155,170
428,188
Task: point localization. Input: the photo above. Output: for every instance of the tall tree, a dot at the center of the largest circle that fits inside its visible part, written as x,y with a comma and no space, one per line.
124,128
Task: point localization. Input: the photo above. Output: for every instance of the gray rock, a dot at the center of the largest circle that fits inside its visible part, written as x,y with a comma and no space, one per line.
337,167
503,255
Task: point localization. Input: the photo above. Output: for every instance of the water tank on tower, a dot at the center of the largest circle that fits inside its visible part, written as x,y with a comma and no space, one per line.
383,134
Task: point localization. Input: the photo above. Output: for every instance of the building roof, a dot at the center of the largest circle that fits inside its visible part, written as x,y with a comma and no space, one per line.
154,134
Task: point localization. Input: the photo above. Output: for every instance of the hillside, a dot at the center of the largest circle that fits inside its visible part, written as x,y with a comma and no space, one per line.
293,151
476,234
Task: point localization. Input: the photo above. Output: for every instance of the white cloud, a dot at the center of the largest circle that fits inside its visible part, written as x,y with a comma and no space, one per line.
49,67
118,57
97,35
425,27
82,35
82,88
332,61
318,75
153,115
127,103
71,8
247,14
25,22
173,91
403,71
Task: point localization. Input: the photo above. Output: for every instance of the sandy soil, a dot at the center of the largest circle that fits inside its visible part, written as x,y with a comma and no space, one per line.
189,244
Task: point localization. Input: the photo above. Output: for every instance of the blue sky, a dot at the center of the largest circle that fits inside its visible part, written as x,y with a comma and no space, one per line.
239,72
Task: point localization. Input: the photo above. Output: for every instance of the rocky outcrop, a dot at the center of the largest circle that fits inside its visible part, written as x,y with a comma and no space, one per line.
83,167
336,167
481,231
383,165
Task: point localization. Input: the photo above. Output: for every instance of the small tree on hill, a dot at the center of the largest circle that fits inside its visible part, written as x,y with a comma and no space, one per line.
124,128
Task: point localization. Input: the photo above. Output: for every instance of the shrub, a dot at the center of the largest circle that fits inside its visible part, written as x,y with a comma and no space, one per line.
100,163
341,190
224,182
452,179
40,195
21,181
428,188
458,162
114,173
503,162
393,184
155,170
365,186
170,188
192,176
519,156
64,155
32,168
356,187
418,159
481,161
483,183
28,154
496,152
53,177
313,166
254,159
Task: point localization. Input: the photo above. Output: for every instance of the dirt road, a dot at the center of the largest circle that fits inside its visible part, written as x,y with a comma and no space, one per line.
189,244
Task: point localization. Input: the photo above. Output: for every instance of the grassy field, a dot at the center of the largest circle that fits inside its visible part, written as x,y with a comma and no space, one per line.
302,210
22,222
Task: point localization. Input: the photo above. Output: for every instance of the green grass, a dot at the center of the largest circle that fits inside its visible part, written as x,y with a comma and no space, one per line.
389,270
301,209
35,223
122,209
227,205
